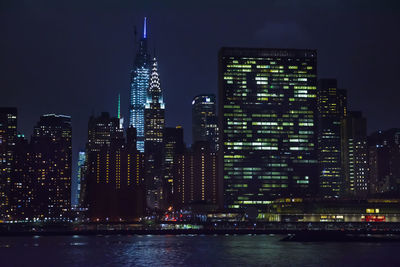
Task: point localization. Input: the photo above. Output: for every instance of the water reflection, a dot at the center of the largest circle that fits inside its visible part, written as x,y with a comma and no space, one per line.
200,250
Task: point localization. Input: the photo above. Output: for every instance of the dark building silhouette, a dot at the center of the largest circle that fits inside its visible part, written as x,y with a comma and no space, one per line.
204,120
52,160
153,140
8,139
22,193
267,120
173,149
196,174
384,162
115,175
354,155
331,111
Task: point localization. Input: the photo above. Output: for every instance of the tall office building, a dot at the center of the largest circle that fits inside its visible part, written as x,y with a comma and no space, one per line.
384,162
22,188
267,121
331,112
52,159
140,77
153,133
8,138
196,175
114,176
204,120
173,148
354,155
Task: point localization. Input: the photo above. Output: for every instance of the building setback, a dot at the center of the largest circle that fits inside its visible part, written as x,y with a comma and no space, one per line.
204,120
267,121
354,155
331,112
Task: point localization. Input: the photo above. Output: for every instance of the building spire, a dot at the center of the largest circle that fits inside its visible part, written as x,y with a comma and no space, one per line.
119,107
145,28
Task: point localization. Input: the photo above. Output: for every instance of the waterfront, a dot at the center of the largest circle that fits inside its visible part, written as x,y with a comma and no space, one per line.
190,250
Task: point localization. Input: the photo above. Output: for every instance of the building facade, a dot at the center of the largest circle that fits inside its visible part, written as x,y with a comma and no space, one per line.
267,121
173,149
354,155
331,112
115,172
196,176
154,130
204,120
52,161
8,139
384,162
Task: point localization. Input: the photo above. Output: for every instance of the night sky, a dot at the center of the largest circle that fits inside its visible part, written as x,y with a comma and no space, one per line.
75,58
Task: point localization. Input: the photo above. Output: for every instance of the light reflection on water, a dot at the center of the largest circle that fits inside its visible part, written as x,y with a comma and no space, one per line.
199,250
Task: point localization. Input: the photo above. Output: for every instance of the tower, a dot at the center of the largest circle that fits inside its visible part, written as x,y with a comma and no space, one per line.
140,76
154,129
267,119
331,111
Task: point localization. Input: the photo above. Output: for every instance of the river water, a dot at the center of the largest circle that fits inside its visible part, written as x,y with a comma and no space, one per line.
185,250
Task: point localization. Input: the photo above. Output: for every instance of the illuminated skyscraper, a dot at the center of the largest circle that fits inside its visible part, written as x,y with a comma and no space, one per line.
204,120
354,154
331,111
154,109
140,77
267,121
8,139
154,129
52,160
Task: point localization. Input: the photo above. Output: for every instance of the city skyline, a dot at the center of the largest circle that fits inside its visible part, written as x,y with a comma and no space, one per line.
286,32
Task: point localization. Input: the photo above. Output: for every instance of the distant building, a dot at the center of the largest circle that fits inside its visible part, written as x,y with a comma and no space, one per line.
204,120
384,162
8,139
153,135
140,77
22,193
354,155
331,111
267,120
173,149
80,177
196,174
52,160
114,177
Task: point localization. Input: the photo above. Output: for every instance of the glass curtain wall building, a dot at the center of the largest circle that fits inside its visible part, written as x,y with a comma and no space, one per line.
140,76
268,113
